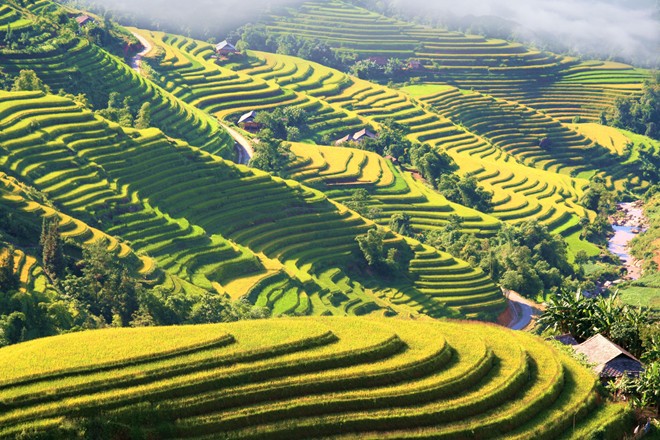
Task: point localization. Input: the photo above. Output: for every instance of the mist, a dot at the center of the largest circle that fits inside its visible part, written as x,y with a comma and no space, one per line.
202,19
625,30
609,29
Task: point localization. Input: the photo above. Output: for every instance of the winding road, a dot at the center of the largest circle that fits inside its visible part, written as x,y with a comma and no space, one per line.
136,61
524,312
243,145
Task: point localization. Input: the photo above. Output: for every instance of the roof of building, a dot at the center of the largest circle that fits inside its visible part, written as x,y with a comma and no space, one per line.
225,45
346,138
362,133
610,360
357,136
82,19
247,116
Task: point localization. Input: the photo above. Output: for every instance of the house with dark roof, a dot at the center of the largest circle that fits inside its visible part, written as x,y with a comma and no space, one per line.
248,123
357,137
610,361
84,20
225,48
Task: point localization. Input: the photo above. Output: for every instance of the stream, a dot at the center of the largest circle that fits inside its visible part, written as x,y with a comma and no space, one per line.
625,229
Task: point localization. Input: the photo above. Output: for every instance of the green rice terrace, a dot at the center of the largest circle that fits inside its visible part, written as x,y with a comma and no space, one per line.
321,377
563,87
487,141
320,227
87,167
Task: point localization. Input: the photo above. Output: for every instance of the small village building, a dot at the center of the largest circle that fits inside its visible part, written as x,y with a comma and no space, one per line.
357,137
343,140
225,48
84,20
610,360
247,122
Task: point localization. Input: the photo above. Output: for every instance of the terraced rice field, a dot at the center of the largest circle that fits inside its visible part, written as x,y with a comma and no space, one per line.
520,131
190,74
70,64
522,190
326,377
338,172
563,87
214,222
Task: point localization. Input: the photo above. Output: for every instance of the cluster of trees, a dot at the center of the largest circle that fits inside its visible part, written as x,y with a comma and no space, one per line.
632,328
525,258
386,261
600,199
466,191
258,37
60,25
648,163
125,114
45,27
645,246
362,203
369,69
436,167
120,111
91,288
271,154
287,123
639,114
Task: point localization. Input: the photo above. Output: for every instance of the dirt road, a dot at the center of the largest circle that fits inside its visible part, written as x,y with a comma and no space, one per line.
136,61
523,311
245,149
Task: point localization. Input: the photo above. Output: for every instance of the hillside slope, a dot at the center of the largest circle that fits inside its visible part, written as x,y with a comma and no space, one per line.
71,62
500,147
564,87
215,224
310,378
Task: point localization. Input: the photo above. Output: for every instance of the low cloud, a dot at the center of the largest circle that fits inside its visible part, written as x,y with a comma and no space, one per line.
621,29
605,28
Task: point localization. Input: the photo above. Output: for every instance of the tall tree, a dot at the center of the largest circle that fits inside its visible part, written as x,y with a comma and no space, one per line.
27,80
8,279
51,249
143,119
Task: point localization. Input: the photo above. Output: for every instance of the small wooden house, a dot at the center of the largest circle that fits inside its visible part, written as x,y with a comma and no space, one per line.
363,135
225,48
84,20
247,122
356,137
610,360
